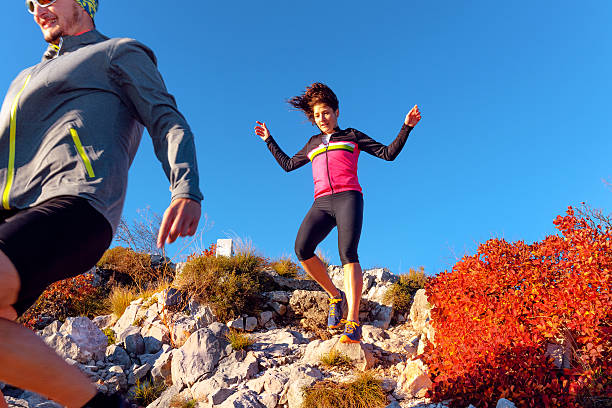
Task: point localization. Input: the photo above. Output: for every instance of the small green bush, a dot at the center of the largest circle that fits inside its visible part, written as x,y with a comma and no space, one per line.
239,340
147,391
335,359
287,268
364,392
230,285
110,335
400,293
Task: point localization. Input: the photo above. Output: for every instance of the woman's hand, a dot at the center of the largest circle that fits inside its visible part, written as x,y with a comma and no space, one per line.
413,117
262,131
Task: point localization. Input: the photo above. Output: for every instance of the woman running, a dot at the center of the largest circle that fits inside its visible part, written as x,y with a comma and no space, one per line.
338,198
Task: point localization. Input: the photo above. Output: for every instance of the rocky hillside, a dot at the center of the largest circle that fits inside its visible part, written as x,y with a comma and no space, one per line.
173,351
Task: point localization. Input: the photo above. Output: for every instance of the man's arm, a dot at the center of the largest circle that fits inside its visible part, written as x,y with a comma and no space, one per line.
133,68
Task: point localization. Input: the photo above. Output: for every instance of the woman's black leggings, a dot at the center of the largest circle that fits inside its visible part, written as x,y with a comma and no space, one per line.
344,210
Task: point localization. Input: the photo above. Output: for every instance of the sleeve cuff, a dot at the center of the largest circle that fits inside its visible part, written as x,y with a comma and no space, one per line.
188,195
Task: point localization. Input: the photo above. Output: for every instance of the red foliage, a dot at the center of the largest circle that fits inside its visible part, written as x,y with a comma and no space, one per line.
211,251
495,313
69,297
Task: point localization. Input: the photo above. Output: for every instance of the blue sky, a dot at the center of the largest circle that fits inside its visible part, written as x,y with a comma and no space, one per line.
514,96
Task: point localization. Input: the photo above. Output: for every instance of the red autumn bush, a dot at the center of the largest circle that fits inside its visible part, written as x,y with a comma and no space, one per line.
497,311
69,297
208,252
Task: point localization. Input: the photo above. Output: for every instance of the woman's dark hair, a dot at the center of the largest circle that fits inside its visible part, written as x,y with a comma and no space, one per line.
314,94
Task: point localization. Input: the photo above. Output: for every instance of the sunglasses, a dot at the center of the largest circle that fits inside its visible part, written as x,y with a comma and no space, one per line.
41,3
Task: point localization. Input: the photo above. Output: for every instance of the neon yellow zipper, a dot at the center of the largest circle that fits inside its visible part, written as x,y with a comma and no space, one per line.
10,172
79,147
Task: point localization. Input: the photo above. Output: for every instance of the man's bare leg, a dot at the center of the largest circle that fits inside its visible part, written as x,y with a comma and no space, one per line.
353,285
26,361
317,271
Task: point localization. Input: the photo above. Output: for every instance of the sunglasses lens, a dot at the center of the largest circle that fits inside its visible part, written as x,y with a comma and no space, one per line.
30,4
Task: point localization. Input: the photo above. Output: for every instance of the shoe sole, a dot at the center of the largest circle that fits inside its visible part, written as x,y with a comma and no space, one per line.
345,339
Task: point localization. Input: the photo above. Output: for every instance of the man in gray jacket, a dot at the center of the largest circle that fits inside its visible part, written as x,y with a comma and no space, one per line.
69,130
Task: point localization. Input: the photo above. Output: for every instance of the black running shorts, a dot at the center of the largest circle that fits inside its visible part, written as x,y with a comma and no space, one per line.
344,210
60,238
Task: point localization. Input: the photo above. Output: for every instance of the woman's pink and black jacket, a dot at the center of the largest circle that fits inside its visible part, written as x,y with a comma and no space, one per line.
334,165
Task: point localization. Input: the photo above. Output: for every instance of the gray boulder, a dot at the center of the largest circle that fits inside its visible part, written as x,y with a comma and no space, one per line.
118,356
88,337
360,354
134,343
128,317
243,399
198,357
162,367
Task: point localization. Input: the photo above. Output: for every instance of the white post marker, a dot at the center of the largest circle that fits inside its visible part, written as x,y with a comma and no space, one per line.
225,247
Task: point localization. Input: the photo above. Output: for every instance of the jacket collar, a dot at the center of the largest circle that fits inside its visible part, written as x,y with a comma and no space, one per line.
71,43
337,132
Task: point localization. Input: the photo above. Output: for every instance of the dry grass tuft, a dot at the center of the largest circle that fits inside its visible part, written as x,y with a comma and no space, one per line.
147,391
239,340
287,268
335,359
182,402
363,392
133,268
120,298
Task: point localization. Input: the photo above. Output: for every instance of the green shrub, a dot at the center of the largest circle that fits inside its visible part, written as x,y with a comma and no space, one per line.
238,340
147,391
110,335
400,293
287,268
230,285
364,392
335,359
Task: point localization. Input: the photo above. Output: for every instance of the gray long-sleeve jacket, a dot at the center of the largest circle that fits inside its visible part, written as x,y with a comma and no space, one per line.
71,125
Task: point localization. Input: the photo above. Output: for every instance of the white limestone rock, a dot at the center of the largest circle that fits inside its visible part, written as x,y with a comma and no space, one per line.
360,355
87,336
198,357
414,379
242,399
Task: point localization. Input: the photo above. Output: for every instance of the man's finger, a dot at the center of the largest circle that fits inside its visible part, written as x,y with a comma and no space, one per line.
176,229
165,226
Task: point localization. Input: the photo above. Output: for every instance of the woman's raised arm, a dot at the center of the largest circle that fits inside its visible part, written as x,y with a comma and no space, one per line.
286,162
390,152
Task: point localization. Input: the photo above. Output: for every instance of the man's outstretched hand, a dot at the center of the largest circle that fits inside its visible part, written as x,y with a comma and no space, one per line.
180,220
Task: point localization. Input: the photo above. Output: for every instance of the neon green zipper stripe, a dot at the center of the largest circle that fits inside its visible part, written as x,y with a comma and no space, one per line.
79,147
10,172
